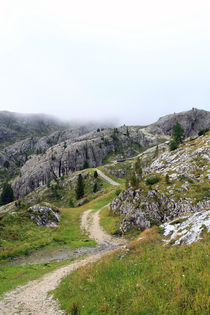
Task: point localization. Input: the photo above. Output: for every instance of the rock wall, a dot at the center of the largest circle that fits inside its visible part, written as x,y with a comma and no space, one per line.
66,158
142,211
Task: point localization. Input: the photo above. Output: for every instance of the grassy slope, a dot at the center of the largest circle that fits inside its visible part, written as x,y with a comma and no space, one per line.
149,278
19,236
121,181
111,224
108,222
29,237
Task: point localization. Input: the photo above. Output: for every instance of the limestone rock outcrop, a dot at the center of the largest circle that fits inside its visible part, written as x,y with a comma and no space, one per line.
70,156
192,121
142,212
45,215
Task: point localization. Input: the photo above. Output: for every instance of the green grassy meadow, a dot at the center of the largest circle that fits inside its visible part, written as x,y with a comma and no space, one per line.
20,236
146,278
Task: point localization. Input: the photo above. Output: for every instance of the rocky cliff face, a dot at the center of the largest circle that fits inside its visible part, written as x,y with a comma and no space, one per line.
86,151
22,136
67,150
192,121
186,190
138,210
19,152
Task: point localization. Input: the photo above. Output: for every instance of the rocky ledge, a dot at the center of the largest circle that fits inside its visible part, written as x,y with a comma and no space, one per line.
45,215
140,211
188,229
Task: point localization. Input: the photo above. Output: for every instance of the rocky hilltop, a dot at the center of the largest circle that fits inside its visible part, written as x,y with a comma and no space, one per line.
191,121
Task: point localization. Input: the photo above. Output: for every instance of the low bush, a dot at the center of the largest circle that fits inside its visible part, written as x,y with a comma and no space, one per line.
203,131
152,180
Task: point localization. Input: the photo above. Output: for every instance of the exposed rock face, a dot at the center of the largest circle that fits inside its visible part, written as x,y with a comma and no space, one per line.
45,215
188,170
188,229
66,151
66,158
18,153
136,210
192,121
190,161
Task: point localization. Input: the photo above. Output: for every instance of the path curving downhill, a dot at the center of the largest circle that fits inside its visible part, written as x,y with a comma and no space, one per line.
108,179
33,298
90,222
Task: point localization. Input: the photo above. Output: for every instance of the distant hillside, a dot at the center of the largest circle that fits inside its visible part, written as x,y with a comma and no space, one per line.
22,135
45,148
90,150
15,127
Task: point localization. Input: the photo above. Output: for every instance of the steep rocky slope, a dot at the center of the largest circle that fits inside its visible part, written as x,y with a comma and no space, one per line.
192,121
89,150
67,150
186,189
24,135
18,153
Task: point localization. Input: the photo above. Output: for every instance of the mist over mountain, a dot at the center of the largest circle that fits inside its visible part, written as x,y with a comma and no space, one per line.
28,143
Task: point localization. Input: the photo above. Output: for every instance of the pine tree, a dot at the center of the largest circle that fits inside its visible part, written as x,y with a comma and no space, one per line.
138,167
156,152
173,145
86,164
95,187
178,133
127,133
134,180
71,203
7,194
80,187
167,178
6,164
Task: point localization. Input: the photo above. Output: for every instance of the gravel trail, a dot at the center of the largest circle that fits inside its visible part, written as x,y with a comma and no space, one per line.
108,179
33,298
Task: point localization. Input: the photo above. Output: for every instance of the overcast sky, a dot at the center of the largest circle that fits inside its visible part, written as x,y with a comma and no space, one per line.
132,61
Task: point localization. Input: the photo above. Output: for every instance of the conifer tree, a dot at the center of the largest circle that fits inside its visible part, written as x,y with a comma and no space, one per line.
7,194
95,174
127,133
95,187
80,187
134,180
178,133
138,167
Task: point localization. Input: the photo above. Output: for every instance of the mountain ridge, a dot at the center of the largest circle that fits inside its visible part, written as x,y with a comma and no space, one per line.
65,151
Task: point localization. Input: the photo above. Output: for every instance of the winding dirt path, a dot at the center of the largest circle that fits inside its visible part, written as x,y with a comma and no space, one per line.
108,179
33,297
91,223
